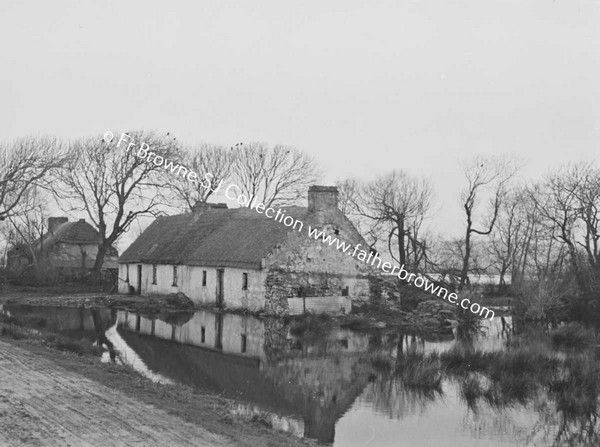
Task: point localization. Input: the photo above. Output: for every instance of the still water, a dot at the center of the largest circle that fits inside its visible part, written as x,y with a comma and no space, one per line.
321,385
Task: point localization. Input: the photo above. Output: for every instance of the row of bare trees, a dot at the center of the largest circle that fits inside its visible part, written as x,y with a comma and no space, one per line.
113,187
538,230
543,233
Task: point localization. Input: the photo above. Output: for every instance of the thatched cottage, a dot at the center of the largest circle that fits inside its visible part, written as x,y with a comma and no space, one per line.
66,251
239,258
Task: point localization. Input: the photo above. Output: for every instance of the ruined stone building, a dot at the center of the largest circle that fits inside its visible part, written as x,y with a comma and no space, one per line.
238,258
66,251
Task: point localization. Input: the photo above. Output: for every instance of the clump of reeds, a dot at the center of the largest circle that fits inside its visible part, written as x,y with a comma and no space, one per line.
421,373
381,361
572,336
576,391
472,390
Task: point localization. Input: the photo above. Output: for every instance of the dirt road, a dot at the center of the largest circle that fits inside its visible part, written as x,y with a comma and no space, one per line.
42,404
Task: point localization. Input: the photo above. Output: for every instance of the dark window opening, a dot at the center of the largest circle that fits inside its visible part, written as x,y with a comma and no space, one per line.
346,291
126,272
244,281
174,275
202,334
336,232
244,340
203,277
154,274
343,343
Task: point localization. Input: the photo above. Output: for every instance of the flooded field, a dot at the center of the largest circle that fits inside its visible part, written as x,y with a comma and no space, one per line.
349,388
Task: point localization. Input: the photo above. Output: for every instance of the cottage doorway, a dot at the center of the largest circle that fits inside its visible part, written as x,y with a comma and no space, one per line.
139,280
220,276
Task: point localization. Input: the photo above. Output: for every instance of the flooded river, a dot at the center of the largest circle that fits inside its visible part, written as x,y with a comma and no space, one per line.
335,385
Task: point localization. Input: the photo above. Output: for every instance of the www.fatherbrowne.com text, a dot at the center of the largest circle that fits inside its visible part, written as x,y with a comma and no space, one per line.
234,193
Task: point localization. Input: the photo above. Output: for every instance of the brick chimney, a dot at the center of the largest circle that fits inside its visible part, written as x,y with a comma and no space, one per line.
322,198
54,222
201,207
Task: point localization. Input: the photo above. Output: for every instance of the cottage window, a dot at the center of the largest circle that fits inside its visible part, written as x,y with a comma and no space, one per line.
244,342
174,275
154,274
202,334
244,281
126,272
204,278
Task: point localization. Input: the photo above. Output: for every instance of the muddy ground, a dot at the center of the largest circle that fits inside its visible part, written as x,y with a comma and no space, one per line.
43,404
51,398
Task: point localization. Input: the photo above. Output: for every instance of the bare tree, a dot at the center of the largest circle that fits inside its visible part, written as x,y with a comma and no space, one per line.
511,239
352,204
569,201
212,163
27,225
112,185
448,258
349,193
398,204
278,175
24,163
485,176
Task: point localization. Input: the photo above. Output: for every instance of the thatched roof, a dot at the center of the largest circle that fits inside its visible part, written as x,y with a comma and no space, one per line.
237,237
77,233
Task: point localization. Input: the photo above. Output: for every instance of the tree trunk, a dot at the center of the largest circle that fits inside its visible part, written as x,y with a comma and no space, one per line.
401,243
503,270
96,272
465,267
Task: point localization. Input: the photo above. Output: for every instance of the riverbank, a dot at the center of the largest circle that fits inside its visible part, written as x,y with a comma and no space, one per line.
104,400
419,313
134,303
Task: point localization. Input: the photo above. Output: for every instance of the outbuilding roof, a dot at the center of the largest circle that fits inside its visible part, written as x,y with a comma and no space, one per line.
79,232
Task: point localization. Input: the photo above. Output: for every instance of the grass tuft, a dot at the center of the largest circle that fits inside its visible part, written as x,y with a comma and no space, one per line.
572,336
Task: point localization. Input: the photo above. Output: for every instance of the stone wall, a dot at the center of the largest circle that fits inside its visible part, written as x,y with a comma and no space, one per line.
303,266
319,305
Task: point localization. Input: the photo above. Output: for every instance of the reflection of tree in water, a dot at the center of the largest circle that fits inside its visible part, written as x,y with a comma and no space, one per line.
562,387
409,379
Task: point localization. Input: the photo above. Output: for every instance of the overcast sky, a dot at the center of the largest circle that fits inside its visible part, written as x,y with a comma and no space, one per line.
365,86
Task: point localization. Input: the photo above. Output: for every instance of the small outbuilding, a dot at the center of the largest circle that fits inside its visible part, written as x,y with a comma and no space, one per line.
67,251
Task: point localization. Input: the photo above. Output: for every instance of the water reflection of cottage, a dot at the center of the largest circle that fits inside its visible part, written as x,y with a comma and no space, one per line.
258,362
241,258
